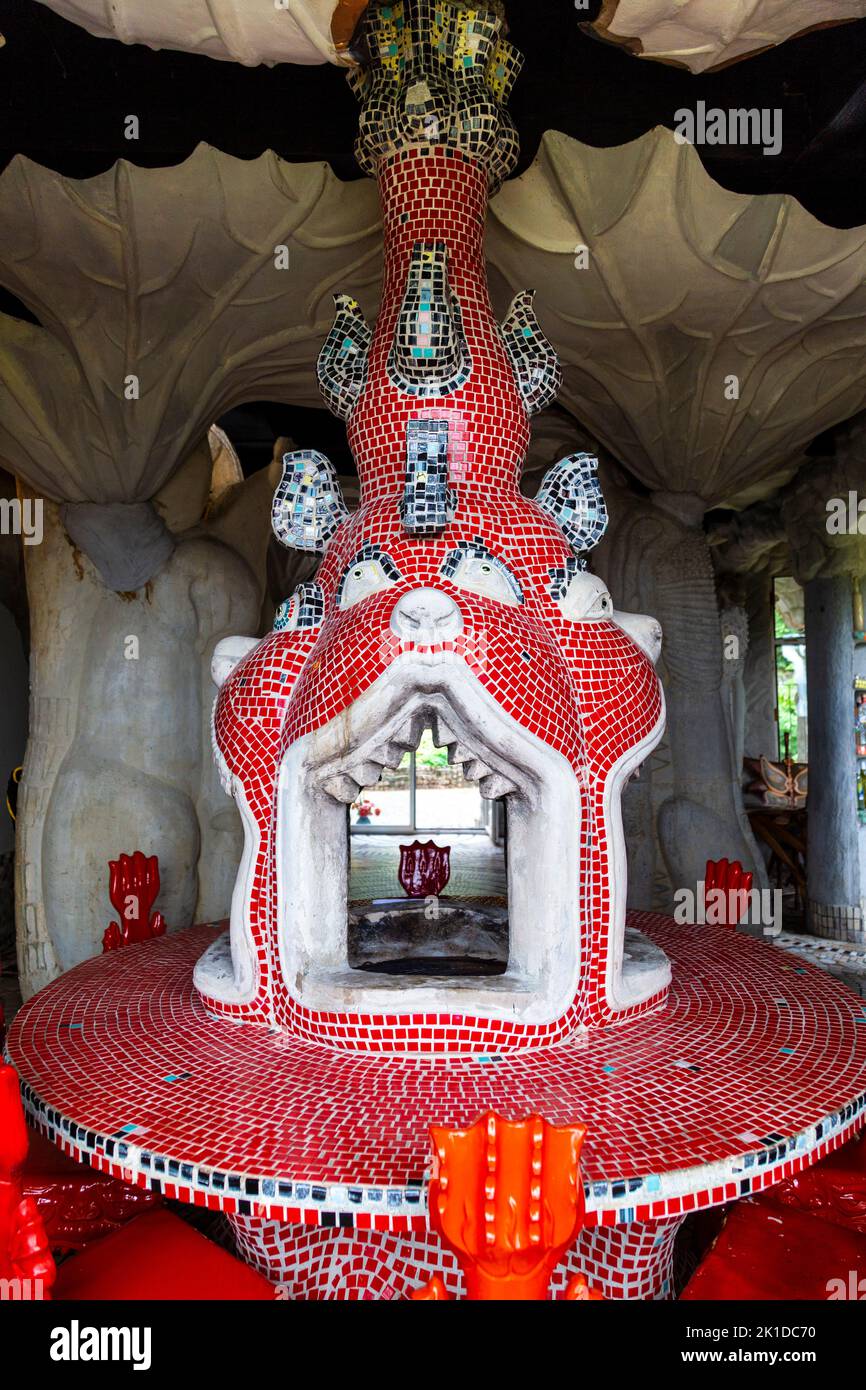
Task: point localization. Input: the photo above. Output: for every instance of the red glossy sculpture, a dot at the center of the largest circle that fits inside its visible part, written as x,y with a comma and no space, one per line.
25,1257
78,1205
424,868
729,878
507,1198
834,1189
765,1253
155,1256
133,888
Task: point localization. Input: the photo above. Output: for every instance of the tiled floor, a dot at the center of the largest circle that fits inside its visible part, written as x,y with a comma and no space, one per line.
846,962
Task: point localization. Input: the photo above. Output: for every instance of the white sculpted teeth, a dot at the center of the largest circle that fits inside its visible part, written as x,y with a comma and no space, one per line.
475,769
388,755
364,764
442,735
366,774
459,753
342,788
495,785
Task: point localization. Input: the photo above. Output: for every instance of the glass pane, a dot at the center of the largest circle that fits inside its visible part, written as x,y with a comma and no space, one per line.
791,699
443,797
388,803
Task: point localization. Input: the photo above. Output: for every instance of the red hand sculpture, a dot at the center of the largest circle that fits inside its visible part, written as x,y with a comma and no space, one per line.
133,888
734,883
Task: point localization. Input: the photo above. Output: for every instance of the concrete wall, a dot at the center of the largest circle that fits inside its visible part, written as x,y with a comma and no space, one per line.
13,714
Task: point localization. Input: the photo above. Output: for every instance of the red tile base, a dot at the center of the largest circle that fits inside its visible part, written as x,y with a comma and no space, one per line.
754,1070
621,1262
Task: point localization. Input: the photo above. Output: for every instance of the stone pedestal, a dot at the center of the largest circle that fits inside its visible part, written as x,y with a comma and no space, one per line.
629,1261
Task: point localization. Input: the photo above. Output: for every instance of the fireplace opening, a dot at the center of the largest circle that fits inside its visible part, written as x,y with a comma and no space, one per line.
458,932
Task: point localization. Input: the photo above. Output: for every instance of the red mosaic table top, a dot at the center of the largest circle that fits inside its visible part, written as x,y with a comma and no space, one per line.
755,1069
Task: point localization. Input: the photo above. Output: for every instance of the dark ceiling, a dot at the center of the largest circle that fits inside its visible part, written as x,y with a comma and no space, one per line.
64,96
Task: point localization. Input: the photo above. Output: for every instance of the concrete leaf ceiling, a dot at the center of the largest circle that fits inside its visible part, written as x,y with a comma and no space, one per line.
174,276
686,287
706,34
243,31
170,274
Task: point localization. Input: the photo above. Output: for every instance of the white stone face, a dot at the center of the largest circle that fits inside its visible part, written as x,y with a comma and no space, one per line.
118,758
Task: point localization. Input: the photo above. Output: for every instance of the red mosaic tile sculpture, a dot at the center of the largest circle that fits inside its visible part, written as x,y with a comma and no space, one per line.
507,1198
133,888
446,600
424,868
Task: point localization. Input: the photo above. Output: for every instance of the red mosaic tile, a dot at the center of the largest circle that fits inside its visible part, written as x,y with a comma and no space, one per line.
723,1092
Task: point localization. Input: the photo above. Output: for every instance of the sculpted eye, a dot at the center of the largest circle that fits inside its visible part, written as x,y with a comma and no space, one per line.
370,571
581,597
472,567
305,609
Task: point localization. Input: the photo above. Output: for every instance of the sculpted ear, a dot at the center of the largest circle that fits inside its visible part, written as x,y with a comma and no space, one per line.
645,631
342,364
534,362
308,504
226,655
570,493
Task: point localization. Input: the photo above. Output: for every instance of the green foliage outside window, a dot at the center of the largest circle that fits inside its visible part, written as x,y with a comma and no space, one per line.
428,755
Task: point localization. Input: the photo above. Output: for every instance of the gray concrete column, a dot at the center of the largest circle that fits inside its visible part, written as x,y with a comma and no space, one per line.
759,676
834,888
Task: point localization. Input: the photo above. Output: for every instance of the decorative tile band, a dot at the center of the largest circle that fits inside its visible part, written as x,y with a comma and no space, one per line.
383,1207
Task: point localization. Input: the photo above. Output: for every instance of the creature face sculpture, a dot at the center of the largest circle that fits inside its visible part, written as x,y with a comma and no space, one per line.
447,600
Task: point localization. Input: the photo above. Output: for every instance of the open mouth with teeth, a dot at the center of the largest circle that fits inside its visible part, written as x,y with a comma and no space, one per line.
323,772
510,979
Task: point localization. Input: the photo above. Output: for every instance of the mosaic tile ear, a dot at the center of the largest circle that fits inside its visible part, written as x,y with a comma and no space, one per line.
448,601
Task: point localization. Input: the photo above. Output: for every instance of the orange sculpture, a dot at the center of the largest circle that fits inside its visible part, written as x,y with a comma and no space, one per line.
506,1196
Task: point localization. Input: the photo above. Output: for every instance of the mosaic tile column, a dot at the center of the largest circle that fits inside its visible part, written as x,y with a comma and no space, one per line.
632,1261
